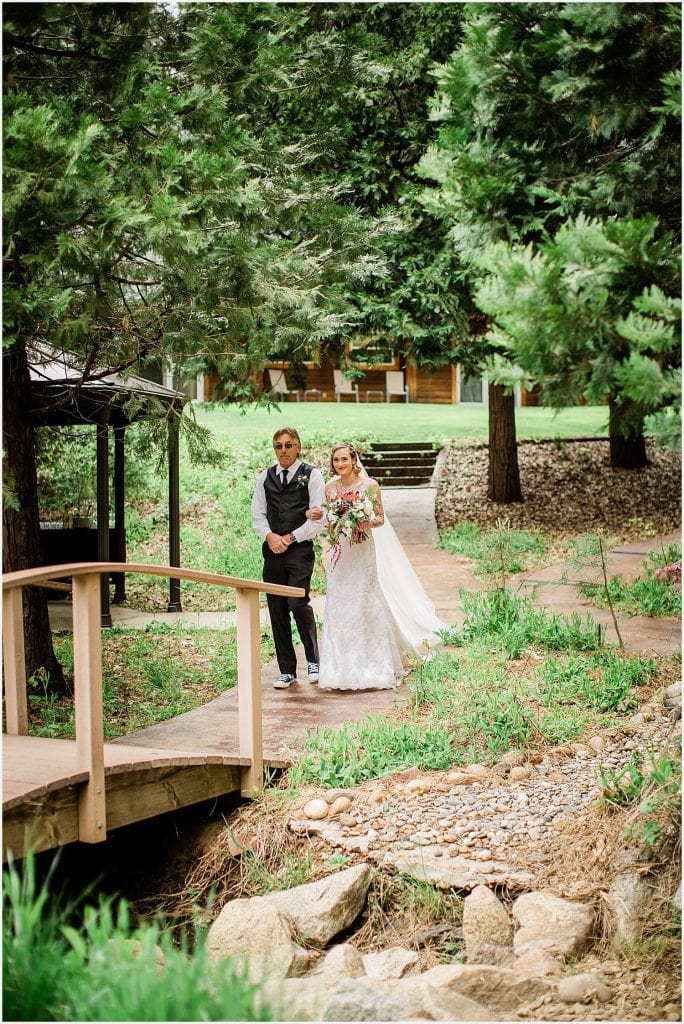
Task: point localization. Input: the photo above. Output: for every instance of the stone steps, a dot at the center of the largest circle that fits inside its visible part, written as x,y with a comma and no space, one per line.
402,464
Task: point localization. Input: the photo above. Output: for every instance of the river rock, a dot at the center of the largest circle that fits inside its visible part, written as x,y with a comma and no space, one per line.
316,809
319,910
537,963
418,786
628,900
581,988
487,928
394,962
342,961
339,806
499,988
561,927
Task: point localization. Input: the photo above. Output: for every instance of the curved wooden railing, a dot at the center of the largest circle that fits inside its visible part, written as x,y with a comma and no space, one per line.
87,641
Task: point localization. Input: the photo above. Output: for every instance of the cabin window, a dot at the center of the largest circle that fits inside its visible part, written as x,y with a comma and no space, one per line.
471,390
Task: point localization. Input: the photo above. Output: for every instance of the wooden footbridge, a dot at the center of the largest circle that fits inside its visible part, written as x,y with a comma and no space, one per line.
58,791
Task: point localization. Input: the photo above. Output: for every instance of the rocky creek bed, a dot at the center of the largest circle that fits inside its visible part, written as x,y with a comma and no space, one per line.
558,917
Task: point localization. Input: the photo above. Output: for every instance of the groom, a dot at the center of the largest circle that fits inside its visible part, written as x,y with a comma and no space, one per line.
282,495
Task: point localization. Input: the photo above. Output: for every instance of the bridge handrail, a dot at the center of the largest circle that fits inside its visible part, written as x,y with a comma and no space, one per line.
39,574
87,642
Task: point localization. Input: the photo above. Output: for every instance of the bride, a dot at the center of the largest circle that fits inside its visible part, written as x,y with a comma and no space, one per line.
378,619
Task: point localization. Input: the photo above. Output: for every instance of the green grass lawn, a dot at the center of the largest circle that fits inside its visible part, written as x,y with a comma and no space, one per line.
394,422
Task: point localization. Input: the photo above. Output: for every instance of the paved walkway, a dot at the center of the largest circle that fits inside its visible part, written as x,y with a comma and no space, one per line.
443,575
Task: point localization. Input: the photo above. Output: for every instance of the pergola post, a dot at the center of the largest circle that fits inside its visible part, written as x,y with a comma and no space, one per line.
174,514
119,512
103,518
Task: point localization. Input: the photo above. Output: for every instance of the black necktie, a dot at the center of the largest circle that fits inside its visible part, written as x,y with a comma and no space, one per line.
283,478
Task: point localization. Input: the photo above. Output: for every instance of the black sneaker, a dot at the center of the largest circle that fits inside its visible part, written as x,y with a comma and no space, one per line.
283,681
312,671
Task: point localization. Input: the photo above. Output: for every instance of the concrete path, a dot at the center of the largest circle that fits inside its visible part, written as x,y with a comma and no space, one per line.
648,634
443,575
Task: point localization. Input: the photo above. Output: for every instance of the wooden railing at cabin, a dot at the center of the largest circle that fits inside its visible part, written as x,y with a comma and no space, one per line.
87,640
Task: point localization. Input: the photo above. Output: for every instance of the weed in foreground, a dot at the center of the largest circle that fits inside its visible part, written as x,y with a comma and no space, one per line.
496,551
656,593
103,968
513,624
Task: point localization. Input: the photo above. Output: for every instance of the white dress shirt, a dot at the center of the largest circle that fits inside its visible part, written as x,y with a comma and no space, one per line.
310,527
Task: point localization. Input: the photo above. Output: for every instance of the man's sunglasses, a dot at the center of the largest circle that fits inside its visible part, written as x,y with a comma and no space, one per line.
288,445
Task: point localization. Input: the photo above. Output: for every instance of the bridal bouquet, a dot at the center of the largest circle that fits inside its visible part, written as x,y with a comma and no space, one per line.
345,513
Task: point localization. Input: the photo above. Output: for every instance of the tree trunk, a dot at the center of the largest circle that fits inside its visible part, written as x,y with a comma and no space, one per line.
503,483
627,441
21,532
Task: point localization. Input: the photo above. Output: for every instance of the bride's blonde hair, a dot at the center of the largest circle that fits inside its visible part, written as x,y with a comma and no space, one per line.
352,451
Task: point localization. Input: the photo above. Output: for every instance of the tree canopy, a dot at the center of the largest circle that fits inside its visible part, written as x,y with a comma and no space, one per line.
559,122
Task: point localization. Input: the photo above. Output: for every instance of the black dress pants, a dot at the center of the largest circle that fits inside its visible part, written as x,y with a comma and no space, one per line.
293,568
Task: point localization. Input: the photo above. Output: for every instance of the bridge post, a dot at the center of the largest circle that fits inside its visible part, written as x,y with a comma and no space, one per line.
16,702
249,689
92,821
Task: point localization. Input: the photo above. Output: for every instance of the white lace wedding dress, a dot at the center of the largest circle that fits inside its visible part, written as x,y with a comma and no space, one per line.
364,645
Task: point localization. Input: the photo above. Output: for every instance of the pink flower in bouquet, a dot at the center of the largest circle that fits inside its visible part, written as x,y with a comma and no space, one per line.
345,514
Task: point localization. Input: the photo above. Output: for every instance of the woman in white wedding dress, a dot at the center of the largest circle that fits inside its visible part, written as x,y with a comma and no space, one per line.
366,643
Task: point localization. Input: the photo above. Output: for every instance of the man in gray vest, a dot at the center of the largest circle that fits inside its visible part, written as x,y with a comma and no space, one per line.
282,495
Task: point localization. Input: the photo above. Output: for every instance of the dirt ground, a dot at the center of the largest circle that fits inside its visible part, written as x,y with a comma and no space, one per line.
568,487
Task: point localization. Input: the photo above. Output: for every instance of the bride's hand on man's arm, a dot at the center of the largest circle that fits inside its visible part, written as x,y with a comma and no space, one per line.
314,513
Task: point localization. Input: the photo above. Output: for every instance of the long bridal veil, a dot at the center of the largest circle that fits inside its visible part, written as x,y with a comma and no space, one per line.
404,593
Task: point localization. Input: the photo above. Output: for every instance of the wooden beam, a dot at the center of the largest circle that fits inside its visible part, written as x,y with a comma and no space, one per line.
249,690
92,821
136,796
120,510
103,518
174,517
16,703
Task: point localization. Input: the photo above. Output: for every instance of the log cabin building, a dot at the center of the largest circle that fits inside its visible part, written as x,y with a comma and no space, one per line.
385,374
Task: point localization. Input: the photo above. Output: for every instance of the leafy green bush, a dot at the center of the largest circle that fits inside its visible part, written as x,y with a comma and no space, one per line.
104,968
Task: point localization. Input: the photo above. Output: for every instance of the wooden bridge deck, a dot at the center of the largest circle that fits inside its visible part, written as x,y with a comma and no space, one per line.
174,764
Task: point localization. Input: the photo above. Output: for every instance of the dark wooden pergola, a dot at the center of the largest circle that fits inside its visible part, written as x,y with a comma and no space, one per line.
111,401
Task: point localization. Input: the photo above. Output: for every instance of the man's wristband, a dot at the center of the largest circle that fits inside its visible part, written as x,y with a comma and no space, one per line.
292,539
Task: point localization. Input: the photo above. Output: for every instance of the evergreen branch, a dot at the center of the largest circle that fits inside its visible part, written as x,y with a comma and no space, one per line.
51,51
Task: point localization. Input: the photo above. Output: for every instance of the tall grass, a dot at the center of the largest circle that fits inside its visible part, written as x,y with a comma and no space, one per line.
106,969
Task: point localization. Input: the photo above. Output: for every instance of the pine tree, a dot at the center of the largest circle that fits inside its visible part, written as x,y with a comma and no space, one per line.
550,113
151,211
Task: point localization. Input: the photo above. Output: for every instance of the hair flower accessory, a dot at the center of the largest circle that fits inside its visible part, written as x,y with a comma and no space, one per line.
345,513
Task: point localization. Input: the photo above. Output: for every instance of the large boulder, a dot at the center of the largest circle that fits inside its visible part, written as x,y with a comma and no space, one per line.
366,999
561,927
255,933
320,910
487,929
499,988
